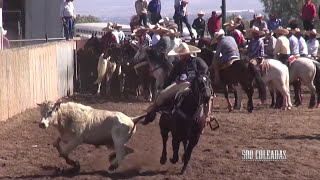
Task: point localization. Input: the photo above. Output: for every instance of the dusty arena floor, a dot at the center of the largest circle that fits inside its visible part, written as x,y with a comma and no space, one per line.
27,153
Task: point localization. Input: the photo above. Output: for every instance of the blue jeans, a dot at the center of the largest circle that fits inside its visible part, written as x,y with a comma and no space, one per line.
181,20
68,26
227,57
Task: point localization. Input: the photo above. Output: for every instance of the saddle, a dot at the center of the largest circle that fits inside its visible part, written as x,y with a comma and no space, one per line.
230,62
291,60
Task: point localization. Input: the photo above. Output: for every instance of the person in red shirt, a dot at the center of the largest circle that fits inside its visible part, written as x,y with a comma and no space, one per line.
308,15
214,23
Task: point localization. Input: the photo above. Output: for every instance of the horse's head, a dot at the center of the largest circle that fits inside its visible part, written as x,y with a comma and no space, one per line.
114,51
94,45
201,88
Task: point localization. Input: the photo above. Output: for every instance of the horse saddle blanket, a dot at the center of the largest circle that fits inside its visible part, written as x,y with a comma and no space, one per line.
291,60
230,62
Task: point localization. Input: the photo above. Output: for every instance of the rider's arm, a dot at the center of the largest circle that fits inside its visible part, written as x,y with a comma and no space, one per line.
172,77
202,67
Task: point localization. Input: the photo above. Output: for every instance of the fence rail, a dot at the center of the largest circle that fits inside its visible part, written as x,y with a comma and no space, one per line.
33,74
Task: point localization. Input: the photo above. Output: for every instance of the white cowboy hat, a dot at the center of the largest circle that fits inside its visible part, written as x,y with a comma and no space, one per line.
282,31
201,13
4,32
254,29
184,49
217,35
238,17
259,15
164,20
174,32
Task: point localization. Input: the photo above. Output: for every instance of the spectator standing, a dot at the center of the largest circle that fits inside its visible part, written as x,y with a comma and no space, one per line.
273,22
292,23
308,15
154,8
199,24
214,23
253,21
238,20
313,43
142,11
260,23
270,42
235,33
181,15
68,15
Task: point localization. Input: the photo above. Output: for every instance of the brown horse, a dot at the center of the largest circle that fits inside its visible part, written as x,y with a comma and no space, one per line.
186,122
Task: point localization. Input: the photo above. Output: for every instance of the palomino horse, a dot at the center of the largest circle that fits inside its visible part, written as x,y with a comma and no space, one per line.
187,121
276,76
305,70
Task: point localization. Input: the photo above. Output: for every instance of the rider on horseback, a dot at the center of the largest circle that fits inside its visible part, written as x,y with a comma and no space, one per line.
282,48
180,78
255,47
228,49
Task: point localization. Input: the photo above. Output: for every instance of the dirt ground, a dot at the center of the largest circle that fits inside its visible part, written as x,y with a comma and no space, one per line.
27,153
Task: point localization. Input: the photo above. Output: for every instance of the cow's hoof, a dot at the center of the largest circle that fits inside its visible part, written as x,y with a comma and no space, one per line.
163,160
113,167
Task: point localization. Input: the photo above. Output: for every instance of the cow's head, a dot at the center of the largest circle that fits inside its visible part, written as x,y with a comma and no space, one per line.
48,112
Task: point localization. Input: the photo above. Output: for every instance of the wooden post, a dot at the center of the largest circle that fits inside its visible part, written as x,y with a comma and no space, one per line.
223,11
1,35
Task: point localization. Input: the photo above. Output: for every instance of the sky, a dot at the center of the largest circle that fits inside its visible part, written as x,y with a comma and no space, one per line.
125,8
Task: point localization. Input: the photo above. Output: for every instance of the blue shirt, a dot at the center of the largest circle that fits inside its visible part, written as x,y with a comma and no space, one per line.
256,48
228,47
154,7
273,25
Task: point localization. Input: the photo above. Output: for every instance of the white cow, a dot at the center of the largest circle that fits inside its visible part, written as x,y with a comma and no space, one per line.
79,124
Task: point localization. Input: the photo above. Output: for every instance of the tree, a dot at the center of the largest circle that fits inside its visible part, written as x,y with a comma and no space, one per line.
285,9
87,19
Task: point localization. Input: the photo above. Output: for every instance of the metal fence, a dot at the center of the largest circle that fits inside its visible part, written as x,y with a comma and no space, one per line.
33,74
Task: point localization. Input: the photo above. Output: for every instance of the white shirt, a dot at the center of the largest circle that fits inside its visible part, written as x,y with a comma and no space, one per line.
303,48
121,36
116,34
155,39
313,45
67,9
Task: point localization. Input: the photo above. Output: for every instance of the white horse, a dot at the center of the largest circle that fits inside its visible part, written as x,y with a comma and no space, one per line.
276,76
105,68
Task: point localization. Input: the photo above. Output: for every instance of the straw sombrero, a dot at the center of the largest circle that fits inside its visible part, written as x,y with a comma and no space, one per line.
201,13
254,29
165,20
174,32
159,30
172,26
298,31
259,15
313,32
282,31
217,35
139,31
184,49
109,28
231,25
238,17
115,25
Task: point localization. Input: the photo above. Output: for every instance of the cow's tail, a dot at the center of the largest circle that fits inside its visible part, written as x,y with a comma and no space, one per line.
135,121
258,79
102,68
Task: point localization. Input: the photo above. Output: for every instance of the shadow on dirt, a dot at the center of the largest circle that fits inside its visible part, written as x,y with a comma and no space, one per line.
69,173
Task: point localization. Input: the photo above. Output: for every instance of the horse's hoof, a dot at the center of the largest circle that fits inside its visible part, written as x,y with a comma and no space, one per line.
174,160
163,160
113,167
230,109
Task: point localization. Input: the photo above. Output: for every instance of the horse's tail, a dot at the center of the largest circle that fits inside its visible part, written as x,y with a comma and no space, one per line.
316,80
287,80
258,79
102,68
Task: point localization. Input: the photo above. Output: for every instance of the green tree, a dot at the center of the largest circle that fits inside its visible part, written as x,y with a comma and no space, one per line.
87,19
285,9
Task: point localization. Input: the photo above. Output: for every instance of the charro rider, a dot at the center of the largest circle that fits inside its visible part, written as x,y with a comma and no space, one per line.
282,48
228,49
180,78
255,48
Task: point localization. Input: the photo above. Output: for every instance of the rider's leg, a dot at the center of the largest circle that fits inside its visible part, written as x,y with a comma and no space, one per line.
216,71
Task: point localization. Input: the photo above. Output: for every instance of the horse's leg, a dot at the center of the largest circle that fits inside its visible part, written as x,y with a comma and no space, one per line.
98,91
193,141
249,91
226,95
164,135
238,97
297,93
285,97
312,90
272,91
175,148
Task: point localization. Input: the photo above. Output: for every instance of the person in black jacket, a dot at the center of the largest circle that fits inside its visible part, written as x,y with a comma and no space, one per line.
180,78
199,24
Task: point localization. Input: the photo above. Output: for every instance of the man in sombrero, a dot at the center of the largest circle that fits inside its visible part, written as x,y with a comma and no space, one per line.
199,24
228,49
232,30
294,43
313,43
180,78
282,48
255,48
303,48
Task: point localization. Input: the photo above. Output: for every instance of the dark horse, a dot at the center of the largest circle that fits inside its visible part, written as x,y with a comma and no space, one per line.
240,72
185,123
